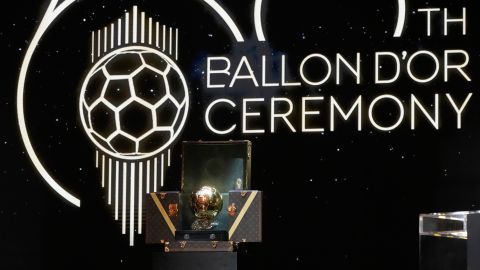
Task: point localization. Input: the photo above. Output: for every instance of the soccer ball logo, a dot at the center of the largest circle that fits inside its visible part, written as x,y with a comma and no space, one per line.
134,102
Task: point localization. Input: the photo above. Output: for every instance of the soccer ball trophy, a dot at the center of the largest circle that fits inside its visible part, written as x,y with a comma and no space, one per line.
206,203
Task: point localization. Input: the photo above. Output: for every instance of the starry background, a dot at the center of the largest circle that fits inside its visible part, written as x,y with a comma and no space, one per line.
364,189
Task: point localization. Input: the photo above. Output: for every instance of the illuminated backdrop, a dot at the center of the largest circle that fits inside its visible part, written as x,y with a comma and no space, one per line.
361,114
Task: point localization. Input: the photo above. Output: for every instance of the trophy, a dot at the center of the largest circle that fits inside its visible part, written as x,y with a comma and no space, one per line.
206,203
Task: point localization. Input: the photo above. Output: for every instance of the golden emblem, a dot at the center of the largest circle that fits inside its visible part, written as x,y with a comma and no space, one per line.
173,209
232,210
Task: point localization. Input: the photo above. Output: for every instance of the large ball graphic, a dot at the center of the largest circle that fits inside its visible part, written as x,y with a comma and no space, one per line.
134,102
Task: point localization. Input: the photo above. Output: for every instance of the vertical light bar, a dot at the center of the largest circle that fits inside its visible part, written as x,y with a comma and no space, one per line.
127,27
157,36
148,177
132,201
142,27
103,171
112,35
155,178
140,196
119,29
117,165
124,199
176,56
105,39
170,41
93,48
109,181
150,30
99,46
162,169
168,158
134,25
164,37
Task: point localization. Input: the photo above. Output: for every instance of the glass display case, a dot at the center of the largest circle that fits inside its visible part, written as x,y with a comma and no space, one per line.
449,241
224,166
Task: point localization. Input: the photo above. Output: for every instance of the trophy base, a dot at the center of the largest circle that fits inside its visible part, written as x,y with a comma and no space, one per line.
203,225
194,261
191,235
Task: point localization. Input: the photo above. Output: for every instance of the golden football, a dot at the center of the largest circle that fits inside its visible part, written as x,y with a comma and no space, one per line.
206,203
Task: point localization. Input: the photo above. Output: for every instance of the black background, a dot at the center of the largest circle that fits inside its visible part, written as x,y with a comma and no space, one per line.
342,200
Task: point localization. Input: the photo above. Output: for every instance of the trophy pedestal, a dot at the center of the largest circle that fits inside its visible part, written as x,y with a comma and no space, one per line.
186,235
194,260
450,241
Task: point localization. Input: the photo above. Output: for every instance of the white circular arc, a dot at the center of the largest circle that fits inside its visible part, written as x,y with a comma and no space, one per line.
50,15
226,18
258,20
400,18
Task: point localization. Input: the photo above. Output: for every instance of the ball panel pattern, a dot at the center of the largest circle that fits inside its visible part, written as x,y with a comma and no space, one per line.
134,102
136,119
150,86
94,87
117,92
124,65
154,61
103,120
